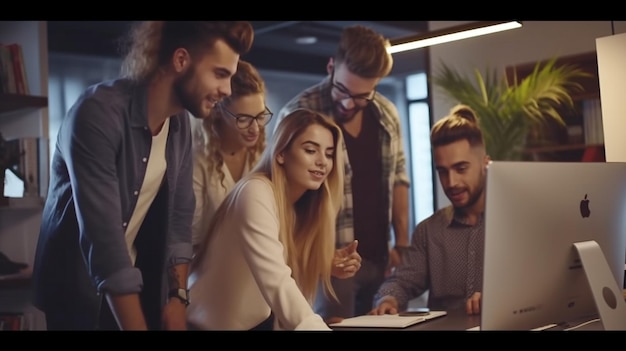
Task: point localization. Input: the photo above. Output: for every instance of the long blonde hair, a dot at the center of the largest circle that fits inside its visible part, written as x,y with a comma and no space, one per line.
307,228
246,81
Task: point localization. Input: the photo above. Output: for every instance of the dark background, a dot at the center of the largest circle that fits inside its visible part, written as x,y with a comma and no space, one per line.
274,47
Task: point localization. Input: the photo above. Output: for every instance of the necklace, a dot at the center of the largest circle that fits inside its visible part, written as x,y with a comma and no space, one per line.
233,153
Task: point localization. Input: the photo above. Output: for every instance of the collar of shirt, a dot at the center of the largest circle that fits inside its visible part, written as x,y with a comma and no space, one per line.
455,217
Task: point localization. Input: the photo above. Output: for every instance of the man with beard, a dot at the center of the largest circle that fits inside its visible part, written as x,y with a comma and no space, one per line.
446,253
376,181
115,239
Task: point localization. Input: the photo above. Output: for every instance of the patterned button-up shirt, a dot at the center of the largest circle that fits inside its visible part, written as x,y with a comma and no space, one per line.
445,258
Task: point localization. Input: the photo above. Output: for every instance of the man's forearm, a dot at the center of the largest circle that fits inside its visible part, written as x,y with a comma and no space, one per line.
400,214
177,276
126,309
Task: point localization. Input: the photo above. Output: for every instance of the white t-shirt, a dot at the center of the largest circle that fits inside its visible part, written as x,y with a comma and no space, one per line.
150,186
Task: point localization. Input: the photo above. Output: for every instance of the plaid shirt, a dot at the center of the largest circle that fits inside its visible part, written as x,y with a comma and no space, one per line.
318,98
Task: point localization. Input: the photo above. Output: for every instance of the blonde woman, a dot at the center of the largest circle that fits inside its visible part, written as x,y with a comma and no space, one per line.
272,240
228,144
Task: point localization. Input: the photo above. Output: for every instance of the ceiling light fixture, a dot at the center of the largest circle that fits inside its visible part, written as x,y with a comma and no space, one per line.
445,35
308,40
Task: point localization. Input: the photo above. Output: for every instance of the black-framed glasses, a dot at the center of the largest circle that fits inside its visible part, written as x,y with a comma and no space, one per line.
245,121
342,93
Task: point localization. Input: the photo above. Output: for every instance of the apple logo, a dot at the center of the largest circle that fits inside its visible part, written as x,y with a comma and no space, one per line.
584,207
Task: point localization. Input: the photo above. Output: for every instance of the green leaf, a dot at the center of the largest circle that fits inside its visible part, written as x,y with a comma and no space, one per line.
509,111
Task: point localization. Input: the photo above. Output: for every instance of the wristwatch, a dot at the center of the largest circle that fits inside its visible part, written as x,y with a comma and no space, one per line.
181,294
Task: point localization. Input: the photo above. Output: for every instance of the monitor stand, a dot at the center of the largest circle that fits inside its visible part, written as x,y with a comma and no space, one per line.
604,288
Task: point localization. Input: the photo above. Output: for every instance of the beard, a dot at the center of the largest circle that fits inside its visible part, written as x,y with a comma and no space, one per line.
183,93
473,197
344,116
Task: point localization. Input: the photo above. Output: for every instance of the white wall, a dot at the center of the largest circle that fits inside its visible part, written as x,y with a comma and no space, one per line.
534,41
612,73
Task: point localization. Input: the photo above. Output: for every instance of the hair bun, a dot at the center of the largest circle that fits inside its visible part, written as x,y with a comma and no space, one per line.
464,111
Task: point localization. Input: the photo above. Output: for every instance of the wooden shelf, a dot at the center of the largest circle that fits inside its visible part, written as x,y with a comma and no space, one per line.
21,203
558,148
563,147
587,62
567,152
18,102
16,281
24,116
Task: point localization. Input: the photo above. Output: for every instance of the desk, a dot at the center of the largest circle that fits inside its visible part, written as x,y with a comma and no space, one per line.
457,320
454,320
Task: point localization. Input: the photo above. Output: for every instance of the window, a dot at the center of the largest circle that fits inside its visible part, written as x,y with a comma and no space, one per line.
421,168
68,77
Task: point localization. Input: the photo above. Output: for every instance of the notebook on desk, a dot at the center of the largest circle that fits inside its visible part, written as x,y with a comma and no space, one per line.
387,320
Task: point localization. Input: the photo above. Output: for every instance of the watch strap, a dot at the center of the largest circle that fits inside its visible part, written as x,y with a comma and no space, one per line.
181,294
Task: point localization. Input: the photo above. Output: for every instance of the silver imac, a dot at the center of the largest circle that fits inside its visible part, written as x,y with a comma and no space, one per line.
555,244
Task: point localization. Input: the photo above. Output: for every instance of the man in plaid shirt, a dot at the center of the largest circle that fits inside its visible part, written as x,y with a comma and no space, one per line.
376,188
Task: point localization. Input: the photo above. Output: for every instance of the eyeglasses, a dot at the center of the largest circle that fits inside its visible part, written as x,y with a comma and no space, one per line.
342,93
245,121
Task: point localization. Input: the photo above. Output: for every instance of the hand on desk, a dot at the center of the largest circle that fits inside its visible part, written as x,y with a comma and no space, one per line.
472,305
347,261
387,305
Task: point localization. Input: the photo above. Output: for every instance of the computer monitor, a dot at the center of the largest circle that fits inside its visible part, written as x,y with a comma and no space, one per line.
541,262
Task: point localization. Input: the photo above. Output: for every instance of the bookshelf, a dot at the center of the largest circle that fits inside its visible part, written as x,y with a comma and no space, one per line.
583,130
15,103
16,282
24,116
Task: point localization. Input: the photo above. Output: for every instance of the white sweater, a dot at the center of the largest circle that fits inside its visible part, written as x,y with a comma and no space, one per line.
209,193
243,275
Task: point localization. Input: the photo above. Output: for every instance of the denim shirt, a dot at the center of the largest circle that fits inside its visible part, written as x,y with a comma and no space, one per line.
97,170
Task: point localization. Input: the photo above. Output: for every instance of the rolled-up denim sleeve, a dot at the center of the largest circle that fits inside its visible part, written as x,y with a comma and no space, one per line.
124,281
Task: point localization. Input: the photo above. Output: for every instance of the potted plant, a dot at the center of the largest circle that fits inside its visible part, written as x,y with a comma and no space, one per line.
510,112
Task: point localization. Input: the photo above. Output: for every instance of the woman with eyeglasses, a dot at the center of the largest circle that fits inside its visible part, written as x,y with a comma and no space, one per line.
272,240
228,144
